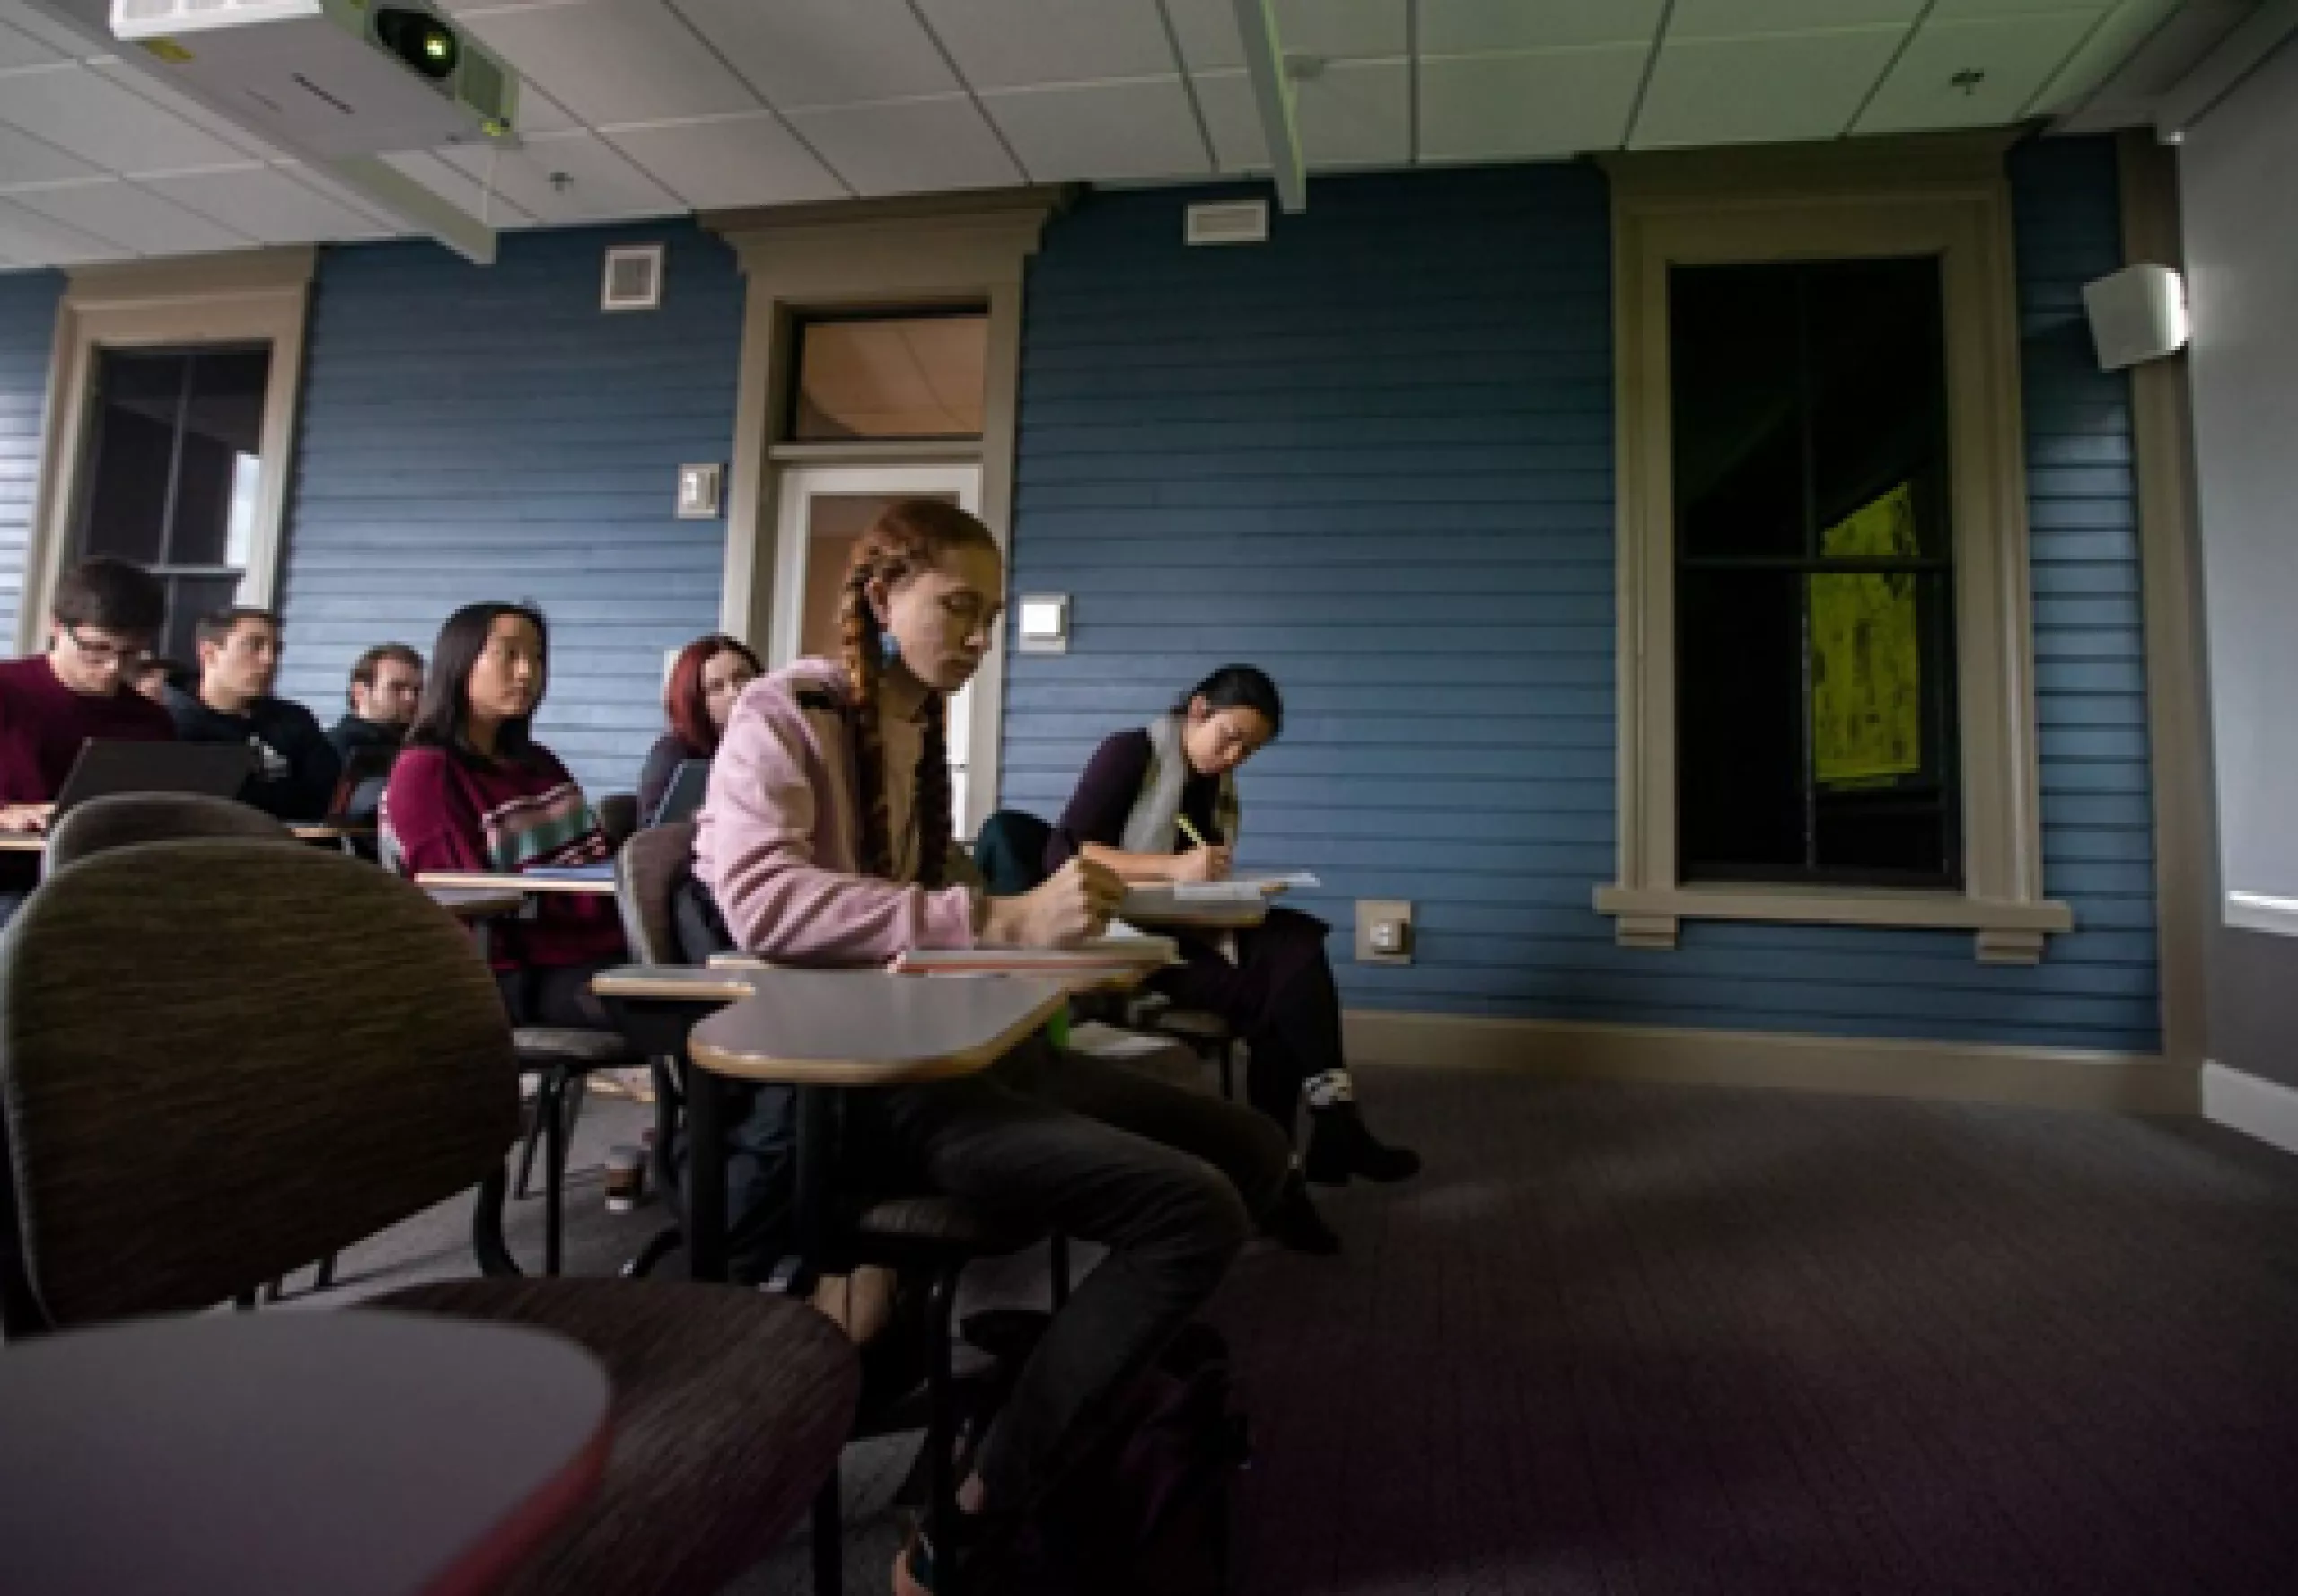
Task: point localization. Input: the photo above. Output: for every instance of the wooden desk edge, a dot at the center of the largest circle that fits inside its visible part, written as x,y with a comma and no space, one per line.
641,984
508,881
855,1072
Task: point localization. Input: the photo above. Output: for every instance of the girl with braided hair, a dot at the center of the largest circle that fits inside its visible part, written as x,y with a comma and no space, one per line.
824,839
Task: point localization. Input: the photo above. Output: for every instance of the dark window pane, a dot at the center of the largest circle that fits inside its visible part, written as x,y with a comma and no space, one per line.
917,376
1815,703
131,453
221,466
1738,411
1878,391
1739,713
189,599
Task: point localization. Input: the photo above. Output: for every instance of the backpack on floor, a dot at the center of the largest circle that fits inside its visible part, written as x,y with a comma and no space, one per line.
1146,1512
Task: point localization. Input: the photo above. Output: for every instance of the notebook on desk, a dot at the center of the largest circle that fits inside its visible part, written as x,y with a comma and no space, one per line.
601,871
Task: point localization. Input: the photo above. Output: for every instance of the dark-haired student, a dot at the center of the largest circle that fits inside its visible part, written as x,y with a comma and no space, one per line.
293,766
475,791
101,624
385,690
709,675
1140,795
825,838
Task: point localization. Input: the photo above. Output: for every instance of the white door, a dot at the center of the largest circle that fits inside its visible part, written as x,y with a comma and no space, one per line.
823,509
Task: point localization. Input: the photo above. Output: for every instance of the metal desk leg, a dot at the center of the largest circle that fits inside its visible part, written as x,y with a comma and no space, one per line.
706,1135
810,1221
486,1241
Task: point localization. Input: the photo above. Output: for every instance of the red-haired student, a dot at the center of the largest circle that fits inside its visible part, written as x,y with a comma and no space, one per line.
710,674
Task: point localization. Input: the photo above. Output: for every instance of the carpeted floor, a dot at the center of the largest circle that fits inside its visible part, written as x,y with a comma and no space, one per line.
1658,1340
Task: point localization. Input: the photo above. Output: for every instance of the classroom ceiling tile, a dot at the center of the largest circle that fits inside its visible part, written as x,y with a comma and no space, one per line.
24,159
82,109
141,223
799,53
567,176
1974,73
1527,107
1742,19
724,162
27,238
20,49
1009,44
152,87
909,146
1950,11
1485,27
2139,50
1082,132
1783,87
276,204
1351,114
614,61
1335,30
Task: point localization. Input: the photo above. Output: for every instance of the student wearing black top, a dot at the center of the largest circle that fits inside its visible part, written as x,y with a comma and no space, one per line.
710,673
386,686
1140,797
293,767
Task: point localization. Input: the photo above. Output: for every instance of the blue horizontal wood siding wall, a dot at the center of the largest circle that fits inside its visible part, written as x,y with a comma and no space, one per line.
475,433
28,301
1375,455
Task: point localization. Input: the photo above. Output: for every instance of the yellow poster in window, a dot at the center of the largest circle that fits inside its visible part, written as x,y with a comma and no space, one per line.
1867,651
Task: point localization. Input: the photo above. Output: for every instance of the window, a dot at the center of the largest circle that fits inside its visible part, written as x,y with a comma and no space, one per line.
173,470
914,376
1814,563
1825,660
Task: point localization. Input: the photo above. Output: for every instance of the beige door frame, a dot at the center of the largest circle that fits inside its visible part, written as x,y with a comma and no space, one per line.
956,249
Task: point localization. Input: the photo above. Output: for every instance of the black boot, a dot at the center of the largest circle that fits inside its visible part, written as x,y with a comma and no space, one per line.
1341,1145
1296,1223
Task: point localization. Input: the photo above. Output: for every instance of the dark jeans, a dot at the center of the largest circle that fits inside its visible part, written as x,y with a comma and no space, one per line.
553,995
1167,1180
1279,996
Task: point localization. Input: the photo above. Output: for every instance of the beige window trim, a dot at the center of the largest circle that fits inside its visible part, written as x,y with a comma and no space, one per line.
1930,197
260,296
962,248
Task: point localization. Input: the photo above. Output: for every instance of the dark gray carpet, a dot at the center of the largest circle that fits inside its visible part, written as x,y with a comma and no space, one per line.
1657,1339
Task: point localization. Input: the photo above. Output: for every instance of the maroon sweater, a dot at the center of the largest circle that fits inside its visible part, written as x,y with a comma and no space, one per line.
43,725
442,812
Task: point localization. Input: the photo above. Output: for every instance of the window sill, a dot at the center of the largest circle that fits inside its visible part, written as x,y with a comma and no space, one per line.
2257,911
2008,932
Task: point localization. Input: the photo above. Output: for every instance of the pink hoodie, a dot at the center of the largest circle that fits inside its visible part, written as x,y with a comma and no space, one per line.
779,834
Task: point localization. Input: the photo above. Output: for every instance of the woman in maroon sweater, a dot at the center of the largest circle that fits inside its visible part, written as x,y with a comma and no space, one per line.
474,791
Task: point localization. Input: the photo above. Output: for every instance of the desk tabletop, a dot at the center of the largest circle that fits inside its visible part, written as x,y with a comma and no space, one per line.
1155,908
866,1028
676,983
33,842
517,882
477,903
362,1454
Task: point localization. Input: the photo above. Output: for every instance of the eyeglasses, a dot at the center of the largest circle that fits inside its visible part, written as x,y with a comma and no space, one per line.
106,653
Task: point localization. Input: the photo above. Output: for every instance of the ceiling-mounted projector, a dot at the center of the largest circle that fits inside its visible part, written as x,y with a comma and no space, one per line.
333,78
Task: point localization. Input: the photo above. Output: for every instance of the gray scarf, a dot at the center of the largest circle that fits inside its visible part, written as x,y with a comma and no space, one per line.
1154,825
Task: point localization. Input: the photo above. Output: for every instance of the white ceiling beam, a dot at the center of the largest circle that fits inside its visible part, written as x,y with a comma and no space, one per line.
1273,100
2219,72
397,196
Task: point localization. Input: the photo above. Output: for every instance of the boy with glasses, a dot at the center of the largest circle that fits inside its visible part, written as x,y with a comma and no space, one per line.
102,623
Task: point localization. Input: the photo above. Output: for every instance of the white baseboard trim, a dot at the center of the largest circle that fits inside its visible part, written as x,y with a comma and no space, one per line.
2251,1104
2124,1082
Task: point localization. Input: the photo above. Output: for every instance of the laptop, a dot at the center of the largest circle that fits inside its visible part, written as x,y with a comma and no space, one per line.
683,797
212,769
359,790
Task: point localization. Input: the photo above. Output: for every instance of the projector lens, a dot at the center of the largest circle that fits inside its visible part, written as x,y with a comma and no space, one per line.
421,40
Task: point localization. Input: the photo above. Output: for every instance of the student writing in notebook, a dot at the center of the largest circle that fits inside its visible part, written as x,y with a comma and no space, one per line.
1141,796
825,839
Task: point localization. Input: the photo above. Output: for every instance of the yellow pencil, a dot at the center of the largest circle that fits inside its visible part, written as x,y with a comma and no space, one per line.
1191,832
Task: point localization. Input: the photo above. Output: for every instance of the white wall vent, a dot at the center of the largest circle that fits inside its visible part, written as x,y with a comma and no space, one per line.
633,278
1228,222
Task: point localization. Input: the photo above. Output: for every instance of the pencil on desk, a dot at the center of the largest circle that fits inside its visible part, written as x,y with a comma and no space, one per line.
1191,832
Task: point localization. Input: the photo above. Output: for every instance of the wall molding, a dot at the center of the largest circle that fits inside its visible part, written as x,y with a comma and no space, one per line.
2053,1077
255,296
2251,1104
